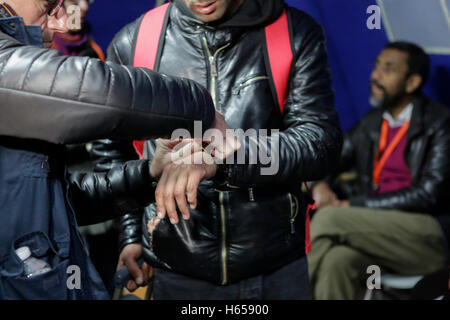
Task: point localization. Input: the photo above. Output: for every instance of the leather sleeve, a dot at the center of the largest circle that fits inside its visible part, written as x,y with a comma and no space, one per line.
61,99
98,197
130,230
108,153
309,145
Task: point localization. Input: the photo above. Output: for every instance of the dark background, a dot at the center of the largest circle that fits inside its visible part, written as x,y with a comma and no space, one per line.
352,46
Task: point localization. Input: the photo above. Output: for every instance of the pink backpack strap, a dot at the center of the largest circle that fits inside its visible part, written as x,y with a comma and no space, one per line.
150,35
279,57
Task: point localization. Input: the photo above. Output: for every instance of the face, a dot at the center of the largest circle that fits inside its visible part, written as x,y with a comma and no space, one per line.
389,78
212,10
48,14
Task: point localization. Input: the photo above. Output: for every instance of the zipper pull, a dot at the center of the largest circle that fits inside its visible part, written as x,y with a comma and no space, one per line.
212,62
44,163
251,196
237,90
292,226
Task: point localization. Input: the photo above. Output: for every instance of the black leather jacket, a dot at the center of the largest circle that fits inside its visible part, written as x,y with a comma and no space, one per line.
257,224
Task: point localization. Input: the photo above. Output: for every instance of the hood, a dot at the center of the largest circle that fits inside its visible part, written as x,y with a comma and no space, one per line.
252,13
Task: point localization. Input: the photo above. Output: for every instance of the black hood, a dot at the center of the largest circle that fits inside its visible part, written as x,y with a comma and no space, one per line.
251,13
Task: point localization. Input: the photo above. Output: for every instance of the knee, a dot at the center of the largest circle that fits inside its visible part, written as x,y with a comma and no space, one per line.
325,221
341,260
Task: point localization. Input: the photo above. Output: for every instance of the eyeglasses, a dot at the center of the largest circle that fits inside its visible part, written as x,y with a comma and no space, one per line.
55,6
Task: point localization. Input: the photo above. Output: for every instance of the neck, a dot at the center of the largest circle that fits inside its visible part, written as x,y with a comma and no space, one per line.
400,106
233,8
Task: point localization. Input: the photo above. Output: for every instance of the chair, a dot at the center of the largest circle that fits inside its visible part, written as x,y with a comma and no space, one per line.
392,286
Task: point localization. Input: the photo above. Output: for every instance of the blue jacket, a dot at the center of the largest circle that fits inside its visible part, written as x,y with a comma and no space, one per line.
35,211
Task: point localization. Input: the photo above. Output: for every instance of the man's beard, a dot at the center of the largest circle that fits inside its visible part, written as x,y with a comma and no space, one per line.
387,101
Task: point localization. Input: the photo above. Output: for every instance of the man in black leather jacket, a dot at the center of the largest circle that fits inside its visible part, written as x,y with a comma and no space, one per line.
245,238
48,100
398,216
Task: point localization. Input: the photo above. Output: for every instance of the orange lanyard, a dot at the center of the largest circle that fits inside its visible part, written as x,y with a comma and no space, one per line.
384,152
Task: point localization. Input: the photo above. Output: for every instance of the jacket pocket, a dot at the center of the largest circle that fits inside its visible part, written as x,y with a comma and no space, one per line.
51,285
237,89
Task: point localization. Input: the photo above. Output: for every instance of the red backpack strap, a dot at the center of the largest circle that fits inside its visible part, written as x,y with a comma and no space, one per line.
311,206
279,57
148,42
149,36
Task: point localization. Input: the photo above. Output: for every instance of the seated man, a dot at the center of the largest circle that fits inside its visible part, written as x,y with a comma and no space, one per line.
400,151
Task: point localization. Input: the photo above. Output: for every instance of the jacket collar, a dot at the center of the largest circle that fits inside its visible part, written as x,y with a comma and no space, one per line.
15,27
402,118
416,123
417,118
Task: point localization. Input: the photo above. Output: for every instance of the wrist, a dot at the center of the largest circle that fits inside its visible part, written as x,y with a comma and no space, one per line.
155,173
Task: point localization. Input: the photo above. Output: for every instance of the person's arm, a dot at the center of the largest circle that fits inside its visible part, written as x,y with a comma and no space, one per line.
431,189
98,197
310,142
62,99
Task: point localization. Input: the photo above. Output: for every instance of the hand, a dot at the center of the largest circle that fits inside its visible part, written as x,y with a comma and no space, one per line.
221,140
129,257
168,151
179,181
323,195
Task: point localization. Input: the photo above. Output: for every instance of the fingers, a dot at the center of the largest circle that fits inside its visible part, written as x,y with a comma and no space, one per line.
221,148
159,195
164,195
180,193
120,264
191,189
135,271
131,285
168,194
145,272
151,225
178,185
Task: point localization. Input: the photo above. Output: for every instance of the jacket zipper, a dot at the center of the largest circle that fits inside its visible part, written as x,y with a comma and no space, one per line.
213,64
293,215
224,248
237,90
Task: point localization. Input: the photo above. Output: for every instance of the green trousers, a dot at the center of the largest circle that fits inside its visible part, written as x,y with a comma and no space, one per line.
345,241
